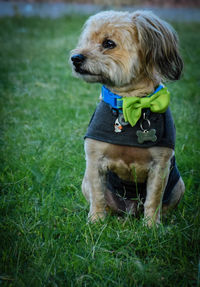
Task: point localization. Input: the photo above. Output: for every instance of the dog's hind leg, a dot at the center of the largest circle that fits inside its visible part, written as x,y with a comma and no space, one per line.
176,196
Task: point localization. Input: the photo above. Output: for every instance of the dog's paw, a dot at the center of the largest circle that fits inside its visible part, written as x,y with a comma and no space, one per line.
151,222
98,216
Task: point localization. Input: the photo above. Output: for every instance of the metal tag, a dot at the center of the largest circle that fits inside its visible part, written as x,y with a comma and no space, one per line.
146,135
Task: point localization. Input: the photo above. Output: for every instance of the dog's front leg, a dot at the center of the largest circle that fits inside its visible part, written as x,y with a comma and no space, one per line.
156,183
93,189
93,186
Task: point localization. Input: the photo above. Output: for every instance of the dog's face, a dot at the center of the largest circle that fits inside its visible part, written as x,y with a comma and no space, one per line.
116,48
109,50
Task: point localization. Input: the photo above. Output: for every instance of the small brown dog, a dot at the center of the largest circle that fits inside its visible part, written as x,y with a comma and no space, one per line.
129,144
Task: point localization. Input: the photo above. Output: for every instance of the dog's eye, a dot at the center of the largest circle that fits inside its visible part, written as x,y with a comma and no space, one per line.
108,44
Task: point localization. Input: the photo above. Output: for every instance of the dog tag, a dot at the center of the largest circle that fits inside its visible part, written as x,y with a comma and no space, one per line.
119,123
146,135
118,127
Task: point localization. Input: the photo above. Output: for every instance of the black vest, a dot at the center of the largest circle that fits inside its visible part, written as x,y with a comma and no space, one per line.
101,128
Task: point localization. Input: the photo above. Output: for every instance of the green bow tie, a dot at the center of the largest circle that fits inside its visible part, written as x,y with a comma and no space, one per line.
132,107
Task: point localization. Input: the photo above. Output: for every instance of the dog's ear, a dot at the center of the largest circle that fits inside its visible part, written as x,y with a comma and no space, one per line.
158,45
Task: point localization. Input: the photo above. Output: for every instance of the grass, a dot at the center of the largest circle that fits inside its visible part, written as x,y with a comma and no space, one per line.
45,239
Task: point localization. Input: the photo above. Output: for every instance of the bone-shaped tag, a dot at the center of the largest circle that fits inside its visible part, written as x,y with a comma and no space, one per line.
146,135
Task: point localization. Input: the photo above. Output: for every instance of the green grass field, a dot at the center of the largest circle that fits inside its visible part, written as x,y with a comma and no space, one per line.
44,236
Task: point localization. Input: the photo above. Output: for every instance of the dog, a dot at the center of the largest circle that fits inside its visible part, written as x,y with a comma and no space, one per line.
129,144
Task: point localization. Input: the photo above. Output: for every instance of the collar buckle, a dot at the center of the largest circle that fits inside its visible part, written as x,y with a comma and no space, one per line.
112,99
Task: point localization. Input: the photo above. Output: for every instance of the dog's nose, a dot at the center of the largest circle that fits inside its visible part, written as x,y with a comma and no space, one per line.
78,59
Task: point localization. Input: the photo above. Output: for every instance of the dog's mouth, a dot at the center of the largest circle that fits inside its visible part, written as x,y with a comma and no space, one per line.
91,77
83,72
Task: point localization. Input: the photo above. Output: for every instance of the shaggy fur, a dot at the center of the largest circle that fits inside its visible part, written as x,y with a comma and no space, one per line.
131,54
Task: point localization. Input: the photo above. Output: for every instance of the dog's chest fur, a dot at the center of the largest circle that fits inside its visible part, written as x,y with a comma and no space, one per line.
129,163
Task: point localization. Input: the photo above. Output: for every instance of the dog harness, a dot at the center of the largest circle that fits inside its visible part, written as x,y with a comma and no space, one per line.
152,128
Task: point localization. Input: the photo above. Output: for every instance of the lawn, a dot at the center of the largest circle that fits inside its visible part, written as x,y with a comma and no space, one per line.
44,236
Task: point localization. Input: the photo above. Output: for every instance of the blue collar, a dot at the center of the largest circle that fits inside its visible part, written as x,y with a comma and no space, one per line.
116,101
112,99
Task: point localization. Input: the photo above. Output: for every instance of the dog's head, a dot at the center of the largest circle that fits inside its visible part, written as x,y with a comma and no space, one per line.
116,48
